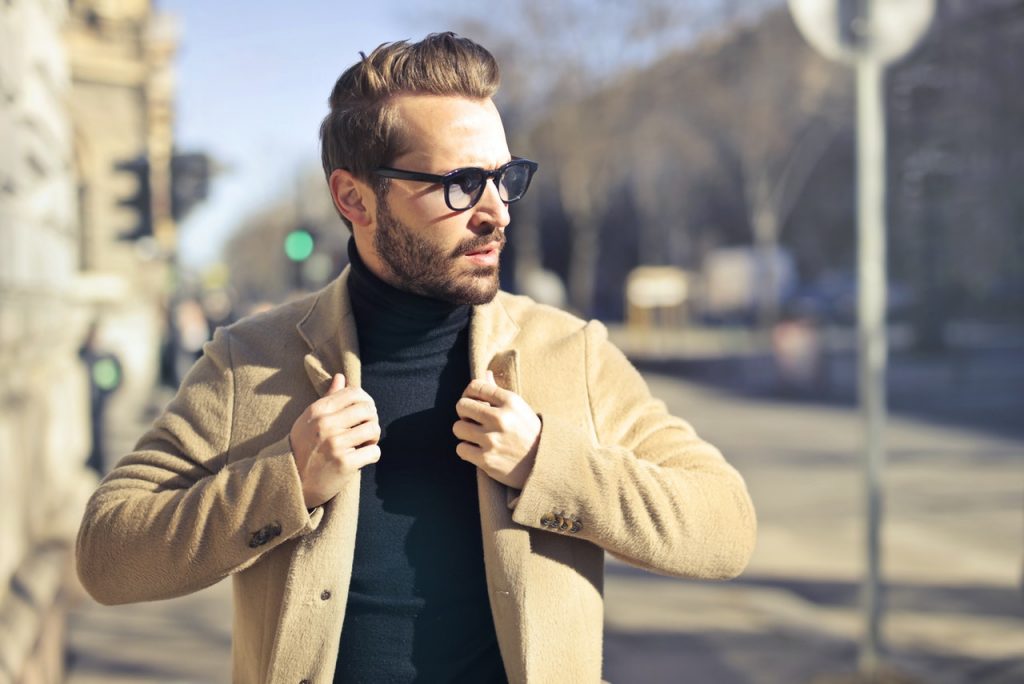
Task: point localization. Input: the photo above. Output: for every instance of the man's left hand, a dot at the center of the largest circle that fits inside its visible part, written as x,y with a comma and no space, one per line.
499,432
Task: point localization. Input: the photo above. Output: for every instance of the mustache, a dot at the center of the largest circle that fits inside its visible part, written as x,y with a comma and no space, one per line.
496,238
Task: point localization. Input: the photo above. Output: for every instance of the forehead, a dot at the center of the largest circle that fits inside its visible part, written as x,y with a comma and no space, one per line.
442,132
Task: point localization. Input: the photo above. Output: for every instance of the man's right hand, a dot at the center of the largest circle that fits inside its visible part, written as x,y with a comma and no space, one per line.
332,439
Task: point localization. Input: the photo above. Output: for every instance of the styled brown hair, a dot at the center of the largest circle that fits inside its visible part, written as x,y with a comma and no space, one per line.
362,132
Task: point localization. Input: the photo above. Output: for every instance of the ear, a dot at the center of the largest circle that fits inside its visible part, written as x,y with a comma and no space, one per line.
352,197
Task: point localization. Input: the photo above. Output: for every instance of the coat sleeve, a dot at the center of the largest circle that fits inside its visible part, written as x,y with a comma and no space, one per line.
648,490
177,515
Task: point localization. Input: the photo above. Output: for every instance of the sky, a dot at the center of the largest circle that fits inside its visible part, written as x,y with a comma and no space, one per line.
252,84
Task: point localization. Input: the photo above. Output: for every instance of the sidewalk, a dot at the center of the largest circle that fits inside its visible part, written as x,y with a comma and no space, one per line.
185,640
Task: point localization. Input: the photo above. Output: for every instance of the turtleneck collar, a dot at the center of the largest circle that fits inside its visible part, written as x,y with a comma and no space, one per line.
381,308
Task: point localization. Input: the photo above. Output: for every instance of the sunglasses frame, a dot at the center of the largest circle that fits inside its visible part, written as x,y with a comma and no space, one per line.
448,180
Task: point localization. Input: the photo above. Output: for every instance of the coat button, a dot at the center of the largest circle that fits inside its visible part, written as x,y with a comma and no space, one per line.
264,535
325,595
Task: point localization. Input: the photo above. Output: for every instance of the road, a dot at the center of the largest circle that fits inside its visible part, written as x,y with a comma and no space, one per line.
952,563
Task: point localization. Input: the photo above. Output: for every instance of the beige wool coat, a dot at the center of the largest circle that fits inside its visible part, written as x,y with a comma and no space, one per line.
212,491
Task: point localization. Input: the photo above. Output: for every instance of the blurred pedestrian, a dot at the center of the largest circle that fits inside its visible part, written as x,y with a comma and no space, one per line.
799,354
193,331
104,372
410,475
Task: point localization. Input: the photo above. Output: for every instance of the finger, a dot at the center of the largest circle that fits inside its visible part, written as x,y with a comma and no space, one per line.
468,432
490,377
364,456
470,453
365,434
356,438
337,383
344,419
343,398
487,391
475,410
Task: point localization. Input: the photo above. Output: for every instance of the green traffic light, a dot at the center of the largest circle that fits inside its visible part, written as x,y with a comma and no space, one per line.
106,374
298,245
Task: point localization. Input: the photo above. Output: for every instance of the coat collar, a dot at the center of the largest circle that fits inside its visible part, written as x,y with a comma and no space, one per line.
329,330
491,332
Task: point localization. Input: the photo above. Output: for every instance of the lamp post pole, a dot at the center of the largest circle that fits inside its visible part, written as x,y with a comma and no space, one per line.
869,34
871,334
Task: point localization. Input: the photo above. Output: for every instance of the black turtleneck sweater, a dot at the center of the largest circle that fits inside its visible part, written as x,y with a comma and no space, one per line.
417,606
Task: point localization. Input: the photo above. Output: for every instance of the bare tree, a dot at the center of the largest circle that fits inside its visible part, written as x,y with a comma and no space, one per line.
553,54
751,108
781,110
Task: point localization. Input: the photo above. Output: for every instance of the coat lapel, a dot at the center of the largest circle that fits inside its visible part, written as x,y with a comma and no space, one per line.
491,330
329,330
506,544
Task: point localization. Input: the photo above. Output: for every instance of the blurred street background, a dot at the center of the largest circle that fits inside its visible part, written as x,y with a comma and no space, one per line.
159,177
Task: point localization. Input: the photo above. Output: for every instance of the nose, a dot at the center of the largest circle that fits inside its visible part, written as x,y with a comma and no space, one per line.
491,209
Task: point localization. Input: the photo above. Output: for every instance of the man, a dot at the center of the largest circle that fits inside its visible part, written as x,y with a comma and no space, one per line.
409,475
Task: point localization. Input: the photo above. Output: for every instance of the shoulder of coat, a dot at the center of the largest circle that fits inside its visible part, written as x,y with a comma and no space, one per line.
277,323
534,318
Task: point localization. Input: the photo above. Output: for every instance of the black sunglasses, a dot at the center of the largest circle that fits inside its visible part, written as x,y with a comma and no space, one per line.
464,187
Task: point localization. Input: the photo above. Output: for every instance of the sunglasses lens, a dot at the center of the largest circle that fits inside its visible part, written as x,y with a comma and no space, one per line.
514,181
464,188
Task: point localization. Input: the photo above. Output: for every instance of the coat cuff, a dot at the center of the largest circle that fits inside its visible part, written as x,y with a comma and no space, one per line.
281,464
561,456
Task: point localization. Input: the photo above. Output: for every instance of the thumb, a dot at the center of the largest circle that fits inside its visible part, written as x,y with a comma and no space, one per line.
337,383
490,377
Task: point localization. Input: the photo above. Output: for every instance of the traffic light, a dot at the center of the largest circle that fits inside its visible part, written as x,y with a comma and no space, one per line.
299,244
190,182
141,200
105,373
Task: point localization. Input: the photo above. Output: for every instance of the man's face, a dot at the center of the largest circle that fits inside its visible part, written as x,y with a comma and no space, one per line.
418,264
418,243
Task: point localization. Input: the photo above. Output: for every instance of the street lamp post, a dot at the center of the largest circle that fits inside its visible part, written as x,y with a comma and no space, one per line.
871,336
868,34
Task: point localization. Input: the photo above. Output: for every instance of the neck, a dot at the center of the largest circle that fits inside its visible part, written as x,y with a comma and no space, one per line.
381,307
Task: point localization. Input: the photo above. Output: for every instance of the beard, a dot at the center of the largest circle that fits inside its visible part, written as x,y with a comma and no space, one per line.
419,266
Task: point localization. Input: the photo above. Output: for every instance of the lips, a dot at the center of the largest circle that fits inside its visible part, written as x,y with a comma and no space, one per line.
493,247
485,256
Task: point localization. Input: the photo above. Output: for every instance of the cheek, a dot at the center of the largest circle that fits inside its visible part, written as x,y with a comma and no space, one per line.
447,231
431,222
427,209
446,219
420,206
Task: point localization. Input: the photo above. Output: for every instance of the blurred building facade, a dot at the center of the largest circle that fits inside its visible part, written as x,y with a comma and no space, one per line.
84,86
957,159
121,108
43,422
